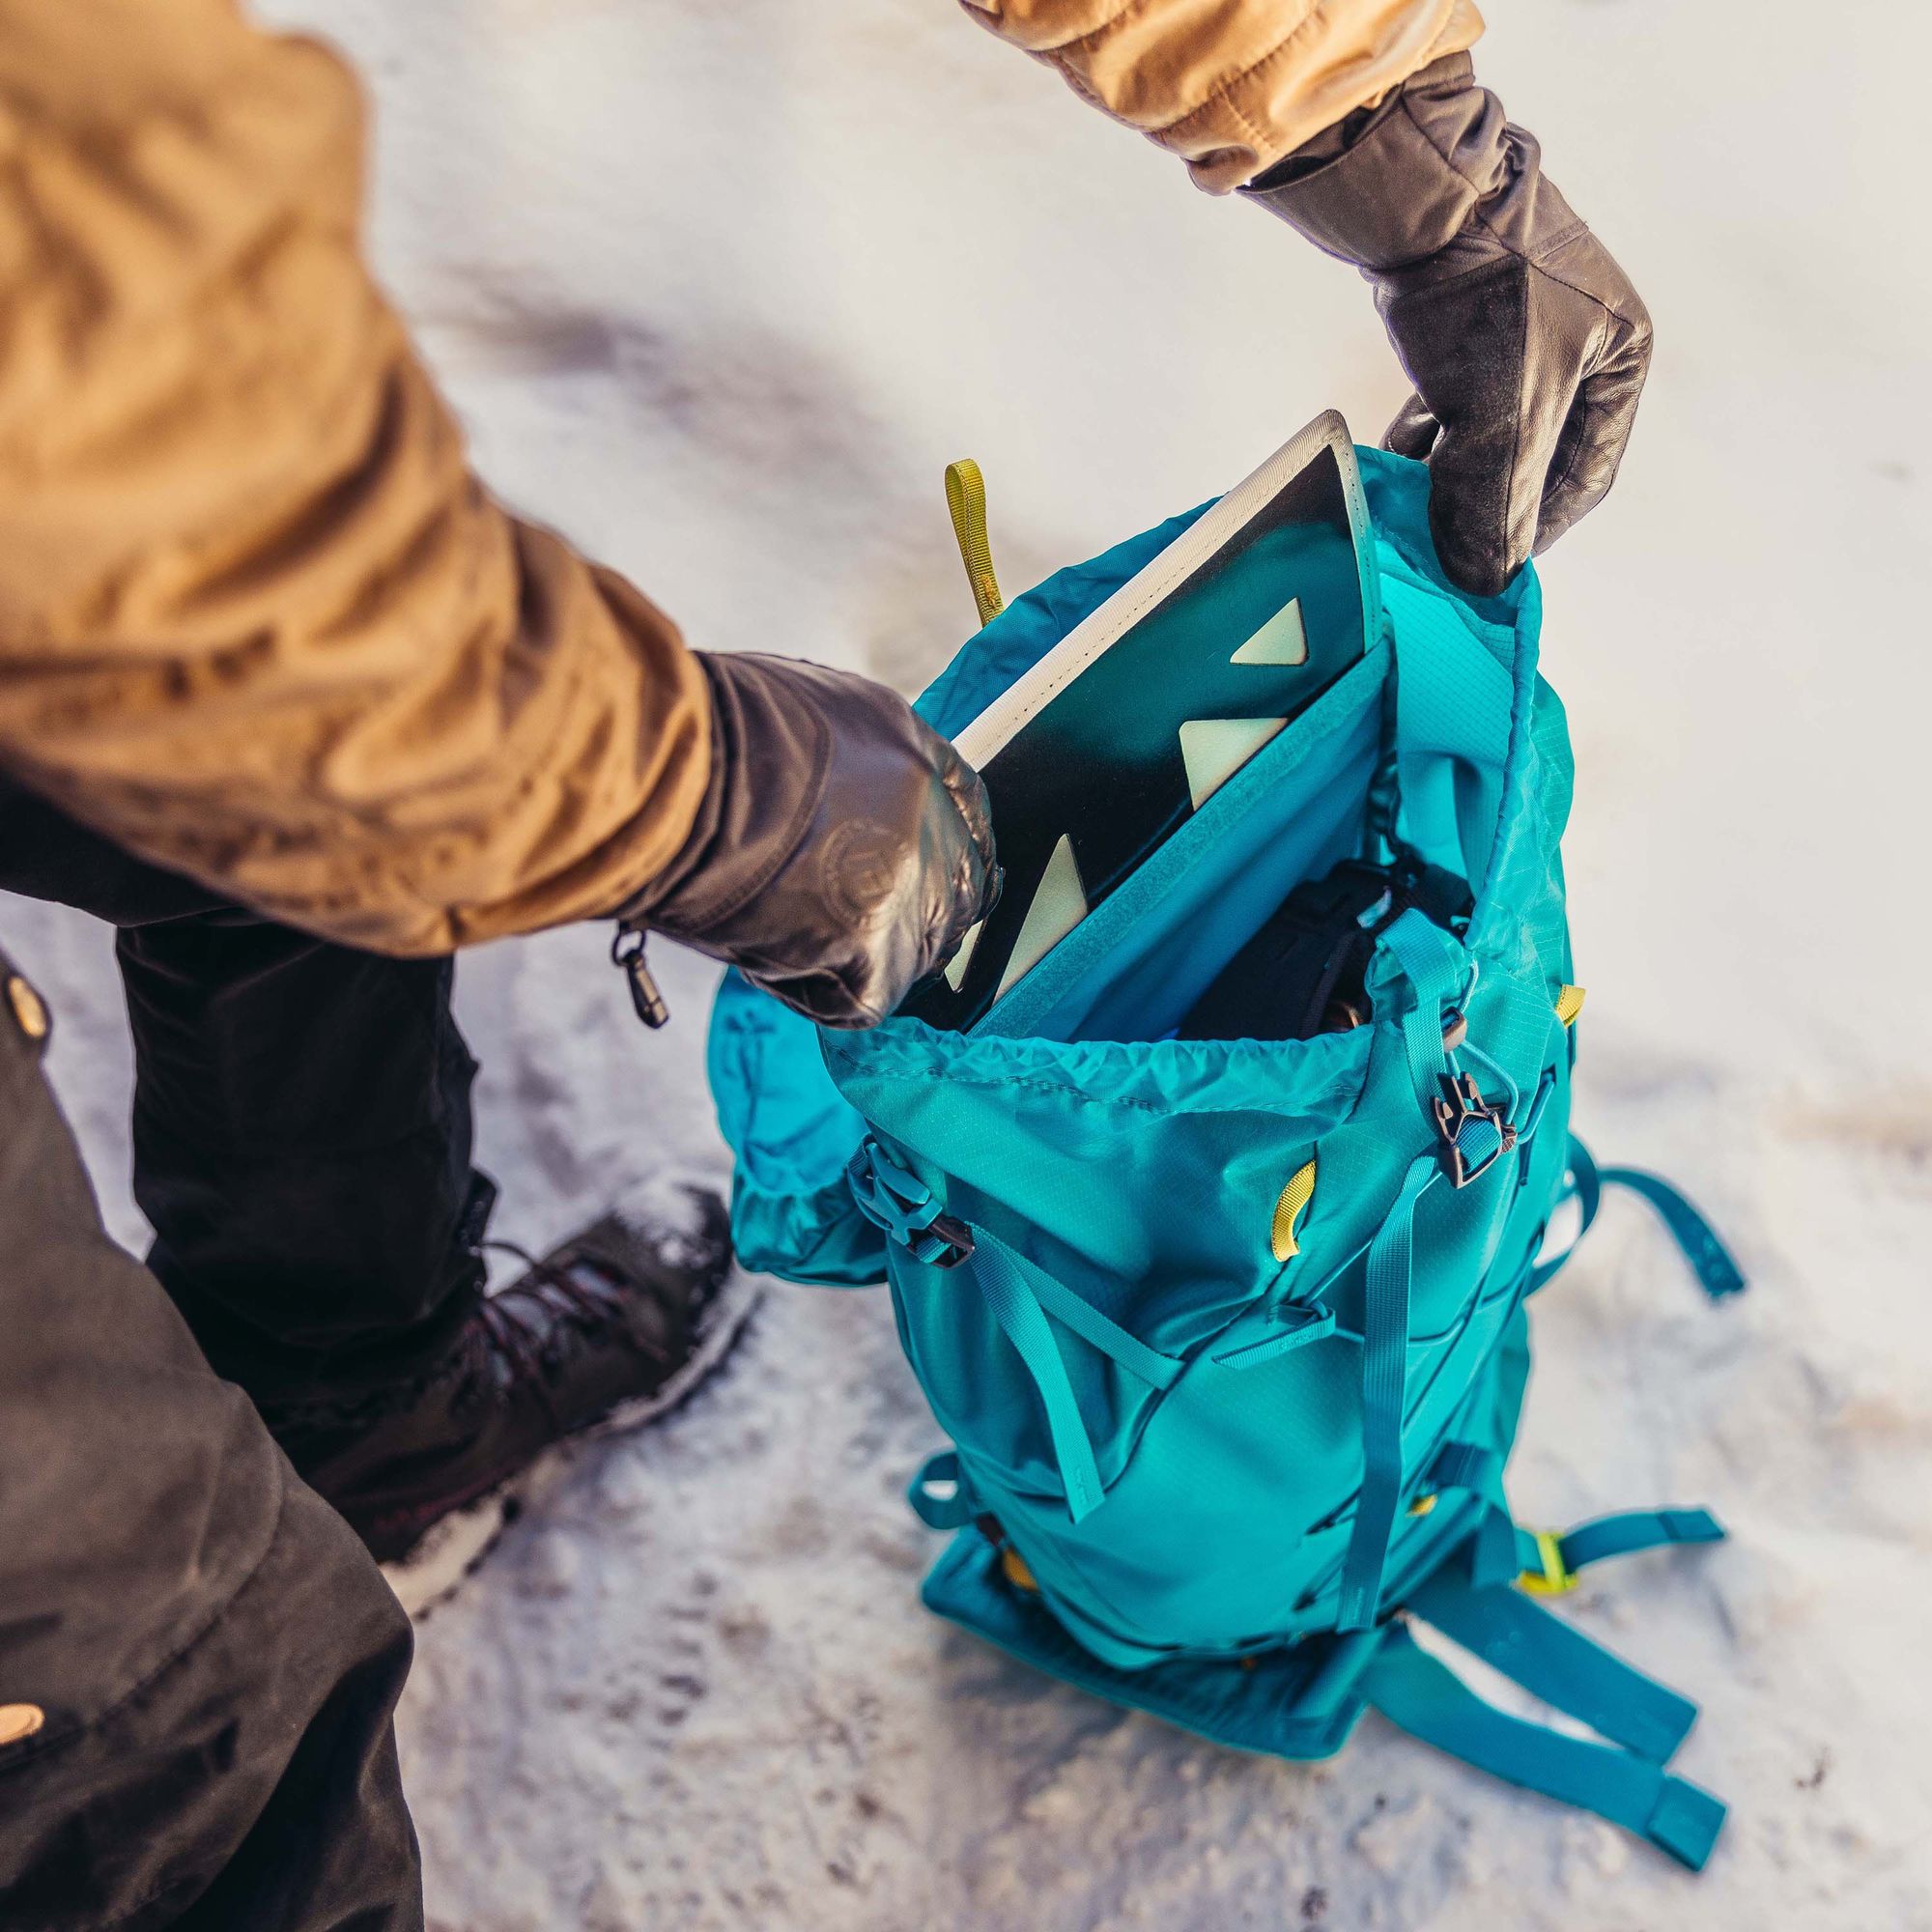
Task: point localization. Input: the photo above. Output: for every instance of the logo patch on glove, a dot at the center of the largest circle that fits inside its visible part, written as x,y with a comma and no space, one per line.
858,867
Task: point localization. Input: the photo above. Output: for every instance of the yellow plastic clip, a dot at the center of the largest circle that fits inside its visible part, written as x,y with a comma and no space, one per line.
966,503
30,1011
1556,1577
1288,1210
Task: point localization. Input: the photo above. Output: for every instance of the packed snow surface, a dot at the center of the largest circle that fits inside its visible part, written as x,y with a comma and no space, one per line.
719,290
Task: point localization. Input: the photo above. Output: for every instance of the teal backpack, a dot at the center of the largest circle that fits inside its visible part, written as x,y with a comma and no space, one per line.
1229,1336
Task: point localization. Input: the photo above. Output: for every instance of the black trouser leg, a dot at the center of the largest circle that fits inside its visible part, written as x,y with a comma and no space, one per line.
302,1123
198,1661
301,1146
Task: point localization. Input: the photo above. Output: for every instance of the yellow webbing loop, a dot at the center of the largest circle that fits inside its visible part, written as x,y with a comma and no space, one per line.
1556,1577
966,502
1569,1004
1295,1197
1017,1573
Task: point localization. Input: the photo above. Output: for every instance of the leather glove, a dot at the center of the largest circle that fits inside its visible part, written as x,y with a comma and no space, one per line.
842,848
1526,344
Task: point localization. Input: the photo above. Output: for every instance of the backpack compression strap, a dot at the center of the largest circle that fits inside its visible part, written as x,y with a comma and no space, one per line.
1020,1295
1384,1379
1427,1699
1473,1141
1555,1661
1716,1267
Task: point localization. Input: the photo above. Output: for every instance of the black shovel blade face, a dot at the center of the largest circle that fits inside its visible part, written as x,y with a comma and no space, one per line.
1110,767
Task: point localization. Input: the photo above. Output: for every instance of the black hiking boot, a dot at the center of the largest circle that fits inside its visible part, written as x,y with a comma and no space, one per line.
607,1332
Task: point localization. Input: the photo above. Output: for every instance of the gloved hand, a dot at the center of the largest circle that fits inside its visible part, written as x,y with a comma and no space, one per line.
1526,344
842,848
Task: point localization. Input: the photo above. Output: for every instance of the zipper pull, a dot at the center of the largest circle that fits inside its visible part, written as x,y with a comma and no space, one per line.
627,949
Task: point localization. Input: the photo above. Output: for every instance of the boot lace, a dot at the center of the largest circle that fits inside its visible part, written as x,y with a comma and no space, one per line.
593,1302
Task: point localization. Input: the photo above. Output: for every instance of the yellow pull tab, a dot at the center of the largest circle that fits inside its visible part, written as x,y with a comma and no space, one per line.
1555,1578
1569,1004
966,502
1295,1197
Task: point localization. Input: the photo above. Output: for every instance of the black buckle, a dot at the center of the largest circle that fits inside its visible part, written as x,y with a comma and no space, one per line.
1463,1104
958,1239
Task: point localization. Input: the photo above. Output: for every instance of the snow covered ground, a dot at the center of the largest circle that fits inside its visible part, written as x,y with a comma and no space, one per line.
719,290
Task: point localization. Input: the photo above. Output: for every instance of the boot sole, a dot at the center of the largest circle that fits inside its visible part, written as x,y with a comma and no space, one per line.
451,1549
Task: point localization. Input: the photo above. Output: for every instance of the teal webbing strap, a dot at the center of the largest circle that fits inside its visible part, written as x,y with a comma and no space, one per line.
1018,1312
1467,1466
1021,1297
1491,1554
1385,1374
1083,1317
939,1494
1716,1267
1500,1552
1298,1325
1556,1661
1431,962
1622,1535
1582,1182
1436,966
1585,1182
1479,1141
1495,1555
1425,1698
894,1198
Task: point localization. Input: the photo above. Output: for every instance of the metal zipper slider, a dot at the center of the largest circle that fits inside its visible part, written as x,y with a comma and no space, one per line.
627,949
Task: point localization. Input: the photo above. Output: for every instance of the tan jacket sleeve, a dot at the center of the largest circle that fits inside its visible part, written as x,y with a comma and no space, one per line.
1231,86
258,621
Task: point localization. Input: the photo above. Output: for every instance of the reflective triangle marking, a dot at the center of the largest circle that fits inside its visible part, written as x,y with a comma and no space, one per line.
1214,748
1058,907
956,971
1281,640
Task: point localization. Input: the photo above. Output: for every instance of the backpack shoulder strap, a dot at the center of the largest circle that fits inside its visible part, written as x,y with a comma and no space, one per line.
1424,1697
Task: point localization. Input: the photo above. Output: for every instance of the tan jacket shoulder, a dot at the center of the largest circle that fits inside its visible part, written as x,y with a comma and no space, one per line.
258,621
